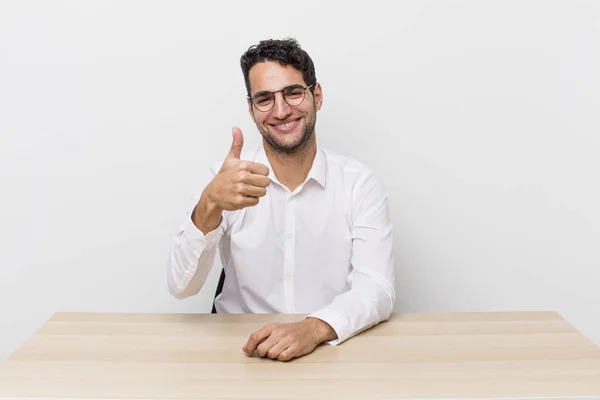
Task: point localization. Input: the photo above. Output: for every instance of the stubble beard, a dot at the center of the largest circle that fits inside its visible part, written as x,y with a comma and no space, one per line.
292,148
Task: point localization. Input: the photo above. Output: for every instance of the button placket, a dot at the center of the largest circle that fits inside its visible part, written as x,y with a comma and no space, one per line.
289,254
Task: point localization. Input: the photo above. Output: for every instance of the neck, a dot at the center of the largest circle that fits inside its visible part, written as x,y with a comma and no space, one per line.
291,169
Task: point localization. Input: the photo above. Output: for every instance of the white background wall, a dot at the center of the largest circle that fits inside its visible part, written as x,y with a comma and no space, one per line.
481,118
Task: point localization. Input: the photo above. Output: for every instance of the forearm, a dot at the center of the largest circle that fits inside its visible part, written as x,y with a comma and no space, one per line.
187,271
362,307
193,252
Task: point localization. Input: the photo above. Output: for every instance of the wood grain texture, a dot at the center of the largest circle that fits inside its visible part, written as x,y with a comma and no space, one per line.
199,356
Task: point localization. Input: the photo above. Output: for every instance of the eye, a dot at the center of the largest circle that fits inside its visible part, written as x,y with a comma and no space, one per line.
295,92
262,100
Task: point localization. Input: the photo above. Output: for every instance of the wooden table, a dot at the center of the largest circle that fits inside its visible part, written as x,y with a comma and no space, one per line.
197,356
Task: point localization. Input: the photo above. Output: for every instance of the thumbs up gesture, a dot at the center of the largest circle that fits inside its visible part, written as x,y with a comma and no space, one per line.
237,144
238,184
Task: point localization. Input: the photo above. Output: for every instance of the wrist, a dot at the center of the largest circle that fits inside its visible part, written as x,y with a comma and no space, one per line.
209,203
323,331
207,214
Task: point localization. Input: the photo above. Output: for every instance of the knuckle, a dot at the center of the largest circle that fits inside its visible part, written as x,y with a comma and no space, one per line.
254,337
241,176
244,166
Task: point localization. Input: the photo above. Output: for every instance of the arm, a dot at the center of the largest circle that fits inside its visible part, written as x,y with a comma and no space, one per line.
371,297
194,249
237,184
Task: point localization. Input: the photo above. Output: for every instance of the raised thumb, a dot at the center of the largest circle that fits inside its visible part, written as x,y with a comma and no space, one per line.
237,144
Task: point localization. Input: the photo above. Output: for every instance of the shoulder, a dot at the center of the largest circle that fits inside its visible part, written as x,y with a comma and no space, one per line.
349,169
355,178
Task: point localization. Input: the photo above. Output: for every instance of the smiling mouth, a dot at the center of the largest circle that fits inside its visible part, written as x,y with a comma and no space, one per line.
286,127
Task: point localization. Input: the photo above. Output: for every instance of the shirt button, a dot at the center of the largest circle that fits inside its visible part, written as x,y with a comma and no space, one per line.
288,236
288,273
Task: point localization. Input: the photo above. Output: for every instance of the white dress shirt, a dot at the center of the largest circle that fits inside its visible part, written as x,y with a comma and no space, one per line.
324,249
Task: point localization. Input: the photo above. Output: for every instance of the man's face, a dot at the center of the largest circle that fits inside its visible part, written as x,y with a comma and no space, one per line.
286,128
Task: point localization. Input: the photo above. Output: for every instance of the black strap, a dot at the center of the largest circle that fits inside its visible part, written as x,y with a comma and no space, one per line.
219,289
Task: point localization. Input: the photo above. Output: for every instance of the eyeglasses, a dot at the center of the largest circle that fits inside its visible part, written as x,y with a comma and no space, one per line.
293,95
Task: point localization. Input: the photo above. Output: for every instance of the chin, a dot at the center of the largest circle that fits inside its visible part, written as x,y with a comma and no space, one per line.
285,146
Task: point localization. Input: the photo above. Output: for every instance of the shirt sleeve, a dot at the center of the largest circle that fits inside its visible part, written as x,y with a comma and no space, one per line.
192,255
372,296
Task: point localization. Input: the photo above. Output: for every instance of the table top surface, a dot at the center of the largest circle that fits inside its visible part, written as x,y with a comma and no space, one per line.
197,356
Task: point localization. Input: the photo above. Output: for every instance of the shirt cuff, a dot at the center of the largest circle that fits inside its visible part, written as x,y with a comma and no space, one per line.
337,321
193,234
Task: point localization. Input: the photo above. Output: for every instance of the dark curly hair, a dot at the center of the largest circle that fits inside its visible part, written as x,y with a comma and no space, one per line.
286,52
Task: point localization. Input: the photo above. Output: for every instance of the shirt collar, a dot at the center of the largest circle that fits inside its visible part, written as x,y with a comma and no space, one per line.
318,170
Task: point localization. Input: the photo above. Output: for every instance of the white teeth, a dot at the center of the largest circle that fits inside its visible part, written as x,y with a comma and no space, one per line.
287,125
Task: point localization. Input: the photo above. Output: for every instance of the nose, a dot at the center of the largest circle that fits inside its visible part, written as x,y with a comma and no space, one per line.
281,109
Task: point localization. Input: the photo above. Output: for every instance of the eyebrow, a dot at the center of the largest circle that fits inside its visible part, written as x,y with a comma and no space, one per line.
262,93
265,92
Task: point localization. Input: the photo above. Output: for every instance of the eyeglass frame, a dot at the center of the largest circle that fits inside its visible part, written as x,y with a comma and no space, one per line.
281,91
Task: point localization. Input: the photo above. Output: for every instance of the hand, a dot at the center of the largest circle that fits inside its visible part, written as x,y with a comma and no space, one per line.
286,341
237,185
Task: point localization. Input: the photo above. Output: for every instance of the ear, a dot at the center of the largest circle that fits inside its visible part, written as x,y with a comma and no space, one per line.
250,110
318,96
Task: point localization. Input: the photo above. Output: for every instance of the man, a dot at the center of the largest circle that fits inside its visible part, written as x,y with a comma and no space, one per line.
299,229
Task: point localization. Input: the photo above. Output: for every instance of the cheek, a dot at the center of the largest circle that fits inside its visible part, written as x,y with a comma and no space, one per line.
258,119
